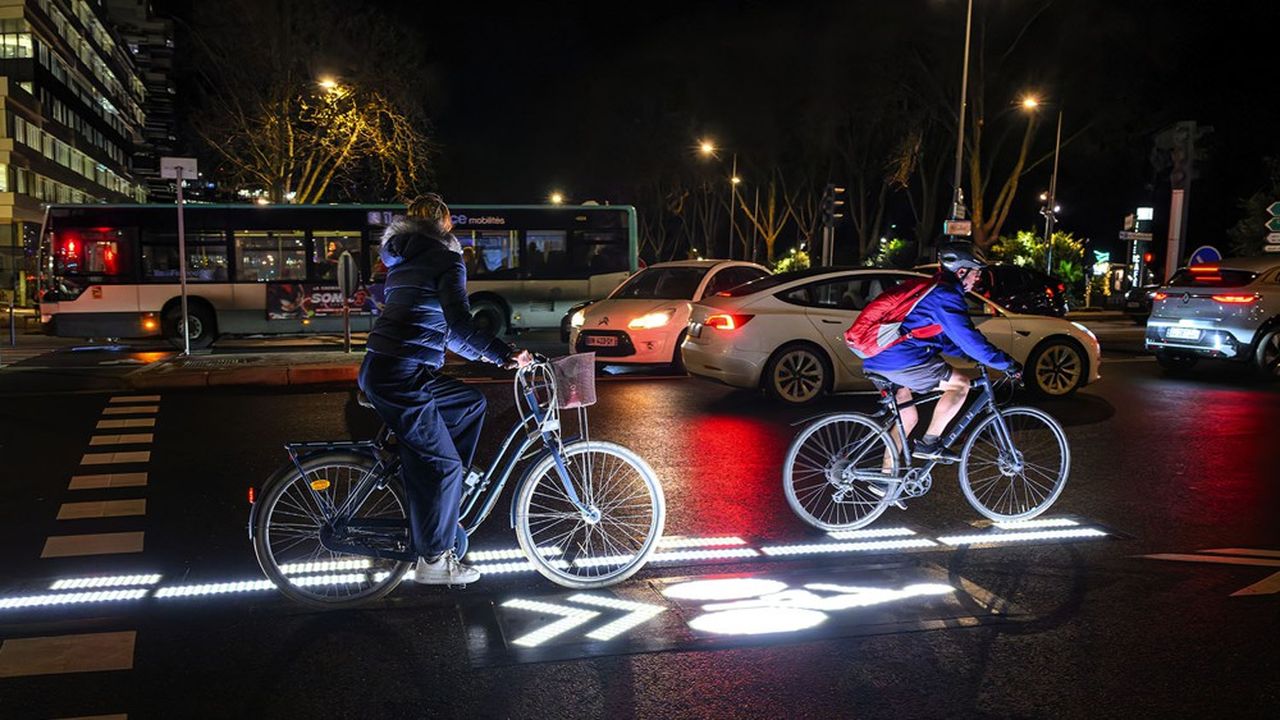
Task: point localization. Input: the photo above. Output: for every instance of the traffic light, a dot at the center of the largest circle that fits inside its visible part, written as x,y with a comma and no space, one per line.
832,204
1148,257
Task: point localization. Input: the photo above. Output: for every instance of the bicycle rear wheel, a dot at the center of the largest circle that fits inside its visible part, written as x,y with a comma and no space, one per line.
836,475
579,552
1020,482
288,521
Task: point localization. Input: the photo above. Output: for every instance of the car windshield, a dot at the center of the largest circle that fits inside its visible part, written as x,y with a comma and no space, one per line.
1208,275
669,283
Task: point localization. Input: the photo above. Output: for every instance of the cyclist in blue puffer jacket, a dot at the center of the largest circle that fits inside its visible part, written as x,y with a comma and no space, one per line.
436,418
916,364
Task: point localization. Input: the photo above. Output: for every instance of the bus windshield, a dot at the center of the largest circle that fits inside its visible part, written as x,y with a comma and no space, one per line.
670,283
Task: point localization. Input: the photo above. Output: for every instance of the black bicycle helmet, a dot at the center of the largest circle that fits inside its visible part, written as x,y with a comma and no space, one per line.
954,255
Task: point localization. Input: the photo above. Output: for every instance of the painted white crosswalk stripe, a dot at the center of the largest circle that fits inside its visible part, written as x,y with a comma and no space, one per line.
135,399
132,410
102,508
127,439
126,424
108,480
116,458
61,654
93,544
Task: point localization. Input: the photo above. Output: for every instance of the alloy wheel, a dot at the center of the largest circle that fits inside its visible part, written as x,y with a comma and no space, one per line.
1058,369
798,376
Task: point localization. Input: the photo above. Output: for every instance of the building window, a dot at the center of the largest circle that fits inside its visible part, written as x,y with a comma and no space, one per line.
269,255
4,178
15,45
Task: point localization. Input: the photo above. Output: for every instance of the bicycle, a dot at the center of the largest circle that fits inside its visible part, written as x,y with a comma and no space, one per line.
587,513
844,470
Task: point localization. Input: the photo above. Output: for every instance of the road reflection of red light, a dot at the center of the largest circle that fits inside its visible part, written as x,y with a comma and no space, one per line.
735,473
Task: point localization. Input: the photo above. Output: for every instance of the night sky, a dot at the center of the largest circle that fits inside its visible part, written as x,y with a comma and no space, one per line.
589,98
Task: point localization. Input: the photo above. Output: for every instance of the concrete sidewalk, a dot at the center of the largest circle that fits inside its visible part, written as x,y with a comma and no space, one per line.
249,368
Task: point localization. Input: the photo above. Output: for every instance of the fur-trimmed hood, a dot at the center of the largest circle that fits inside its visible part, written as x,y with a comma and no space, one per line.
408,237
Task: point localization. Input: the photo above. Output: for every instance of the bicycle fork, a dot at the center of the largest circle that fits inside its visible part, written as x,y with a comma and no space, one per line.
591,515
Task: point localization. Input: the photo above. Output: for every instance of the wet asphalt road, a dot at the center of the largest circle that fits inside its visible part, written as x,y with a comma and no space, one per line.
1165,465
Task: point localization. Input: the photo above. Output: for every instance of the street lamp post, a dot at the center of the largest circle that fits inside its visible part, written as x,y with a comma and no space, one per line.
708,149
958,211
1051,208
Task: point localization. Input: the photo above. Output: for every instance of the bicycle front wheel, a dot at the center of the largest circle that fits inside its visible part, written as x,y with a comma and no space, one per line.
1019,482
611,543
841,472
292,512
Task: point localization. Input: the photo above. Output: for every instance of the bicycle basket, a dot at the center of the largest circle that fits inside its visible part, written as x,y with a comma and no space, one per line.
575,380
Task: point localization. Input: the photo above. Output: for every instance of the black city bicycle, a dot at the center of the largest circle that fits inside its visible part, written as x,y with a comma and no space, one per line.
331,529
843,470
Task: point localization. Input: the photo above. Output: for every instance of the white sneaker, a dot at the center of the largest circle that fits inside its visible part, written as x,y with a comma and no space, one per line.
446,570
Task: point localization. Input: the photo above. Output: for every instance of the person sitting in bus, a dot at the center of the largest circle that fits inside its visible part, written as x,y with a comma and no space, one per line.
436,418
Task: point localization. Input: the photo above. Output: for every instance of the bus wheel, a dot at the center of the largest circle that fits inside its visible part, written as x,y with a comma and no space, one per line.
200,326
489,317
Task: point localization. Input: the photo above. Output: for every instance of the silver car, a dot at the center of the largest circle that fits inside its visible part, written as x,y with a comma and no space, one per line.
1229,310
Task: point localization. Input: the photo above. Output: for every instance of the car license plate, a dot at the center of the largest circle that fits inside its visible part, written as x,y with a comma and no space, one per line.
602,341
1183,333
1131,303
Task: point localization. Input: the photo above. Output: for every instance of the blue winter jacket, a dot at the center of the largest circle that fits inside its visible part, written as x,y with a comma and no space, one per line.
945,306
426,307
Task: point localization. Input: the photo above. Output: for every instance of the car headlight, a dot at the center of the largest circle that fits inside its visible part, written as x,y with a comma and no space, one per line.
578,319
652,320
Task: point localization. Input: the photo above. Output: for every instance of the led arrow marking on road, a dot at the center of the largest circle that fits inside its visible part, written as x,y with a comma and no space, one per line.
639,613
1235,556
570,618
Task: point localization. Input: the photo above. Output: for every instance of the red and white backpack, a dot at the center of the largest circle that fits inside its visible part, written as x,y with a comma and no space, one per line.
879,325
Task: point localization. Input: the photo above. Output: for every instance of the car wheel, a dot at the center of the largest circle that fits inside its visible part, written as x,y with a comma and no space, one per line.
201,326
1266,358
489,318
797,374
1174,362
677,358
1057,368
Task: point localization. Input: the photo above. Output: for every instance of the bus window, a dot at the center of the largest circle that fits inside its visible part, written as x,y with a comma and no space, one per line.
100,254
494,254
327,246
266,255
546,254
206,257
599,253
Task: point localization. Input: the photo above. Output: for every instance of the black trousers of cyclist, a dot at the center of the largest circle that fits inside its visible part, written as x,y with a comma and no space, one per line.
437,420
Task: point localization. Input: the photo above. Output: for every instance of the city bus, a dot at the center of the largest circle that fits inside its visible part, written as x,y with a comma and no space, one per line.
112,270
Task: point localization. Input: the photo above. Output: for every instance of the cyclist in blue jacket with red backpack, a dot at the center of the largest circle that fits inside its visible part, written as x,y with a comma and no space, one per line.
939,324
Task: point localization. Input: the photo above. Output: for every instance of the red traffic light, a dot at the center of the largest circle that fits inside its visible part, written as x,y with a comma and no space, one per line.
1147,257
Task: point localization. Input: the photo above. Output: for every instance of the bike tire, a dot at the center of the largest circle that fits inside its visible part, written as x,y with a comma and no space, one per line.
574,565
381,577
1034,500
804,501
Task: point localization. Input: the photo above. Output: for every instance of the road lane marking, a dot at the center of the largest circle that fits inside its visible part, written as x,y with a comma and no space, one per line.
135,399
570,618
130,439
110,480
132,410
116,458
1235,556
104,581
1211,559
61,654
75,598
127,423
1244,551
101,509
121,716
93,544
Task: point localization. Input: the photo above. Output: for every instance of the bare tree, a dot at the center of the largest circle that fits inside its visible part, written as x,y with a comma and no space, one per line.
771,218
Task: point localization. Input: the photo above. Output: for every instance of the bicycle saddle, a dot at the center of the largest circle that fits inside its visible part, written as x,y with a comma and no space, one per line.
881,382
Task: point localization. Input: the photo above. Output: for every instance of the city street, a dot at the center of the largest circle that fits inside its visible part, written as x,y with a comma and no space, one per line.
1075,620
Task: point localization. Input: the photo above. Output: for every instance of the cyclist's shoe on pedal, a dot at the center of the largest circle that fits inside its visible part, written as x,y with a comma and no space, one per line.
934,451
878,491
446,570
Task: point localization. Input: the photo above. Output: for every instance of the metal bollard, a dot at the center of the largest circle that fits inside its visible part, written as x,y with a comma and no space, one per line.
13,327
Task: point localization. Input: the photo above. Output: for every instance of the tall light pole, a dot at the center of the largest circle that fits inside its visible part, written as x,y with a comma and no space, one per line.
958,211
1052,207
708,149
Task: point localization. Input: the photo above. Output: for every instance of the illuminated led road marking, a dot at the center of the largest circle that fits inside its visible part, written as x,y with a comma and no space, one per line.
846,598
71,598
502,568
512,554
672,556
827,548
687,542
257,585
874,533
982,538
758,621
570,618
325,566
101,582
637,614
1024,524
723,589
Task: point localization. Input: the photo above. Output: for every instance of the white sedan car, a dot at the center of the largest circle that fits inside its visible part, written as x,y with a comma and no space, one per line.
785,334
644,319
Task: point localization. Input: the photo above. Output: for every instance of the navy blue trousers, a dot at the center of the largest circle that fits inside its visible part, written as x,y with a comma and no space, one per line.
437,420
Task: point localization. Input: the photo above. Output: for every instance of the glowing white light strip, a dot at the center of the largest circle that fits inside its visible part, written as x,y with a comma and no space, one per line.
1048,522
101,582
24,601
325,566
687,542
638,614
512,554
874,533
257,585
827,548
1021,536
501,568
570,618
673,556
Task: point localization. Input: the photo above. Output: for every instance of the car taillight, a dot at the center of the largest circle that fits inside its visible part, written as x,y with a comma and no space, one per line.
1048,292
1235,299
1160,296
253,496
727,322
